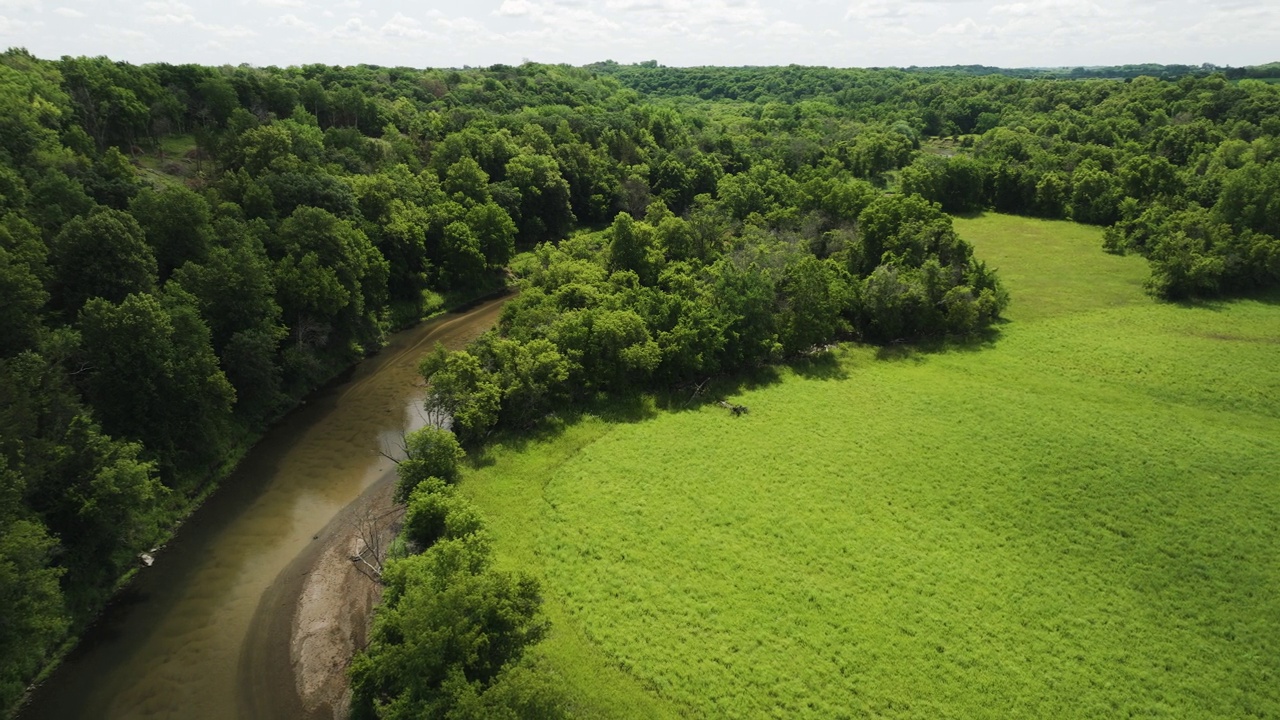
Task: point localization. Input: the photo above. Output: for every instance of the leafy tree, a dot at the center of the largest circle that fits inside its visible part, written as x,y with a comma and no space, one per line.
430,452
24,296
814,295
233,285
494,231
435,512
327,272
156,379
632,247
111,179
467,182
463,260
35,618
545,212
1095,195
105,506
448,629
100,255
176,223
532,377
957,183
459,386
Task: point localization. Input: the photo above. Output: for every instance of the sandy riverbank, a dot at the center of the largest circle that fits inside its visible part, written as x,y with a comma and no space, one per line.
315,615
294,664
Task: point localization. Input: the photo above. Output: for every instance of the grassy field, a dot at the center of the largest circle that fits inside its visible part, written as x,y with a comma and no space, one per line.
168,165
1079,518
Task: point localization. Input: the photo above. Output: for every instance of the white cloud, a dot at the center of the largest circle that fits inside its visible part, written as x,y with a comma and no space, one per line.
783,28
884,9
351,28
293,21
10,26
120,33
515,8
167,6
675,32
401,26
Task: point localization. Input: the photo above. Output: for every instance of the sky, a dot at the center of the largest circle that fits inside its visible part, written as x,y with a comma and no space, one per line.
840,33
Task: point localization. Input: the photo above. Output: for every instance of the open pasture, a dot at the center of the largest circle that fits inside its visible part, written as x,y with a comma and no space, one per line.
1077,518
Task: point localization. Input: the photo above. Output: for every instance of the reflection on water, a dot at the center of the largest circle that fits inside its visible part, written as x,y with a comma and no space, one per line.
169,646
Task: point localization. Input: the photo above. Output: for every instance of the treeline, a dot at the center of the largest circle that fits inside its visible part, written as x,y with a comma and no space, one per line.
662,301
450,636
643,303
1186,174
1182,171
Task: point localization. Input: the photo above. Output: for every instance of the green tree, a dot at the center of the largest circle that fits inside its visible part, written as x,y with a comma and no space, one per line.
461,388
35,618
155,377
449,627
176,224
545,212
632,247
430,452
328,272
1095,195
436,512
24,297
100,255
466,182
495,232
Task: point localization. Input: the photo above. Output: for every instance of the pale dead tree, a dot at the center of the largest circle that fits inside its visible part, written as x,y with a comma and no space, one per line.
393,451
311,333
434,414
374,528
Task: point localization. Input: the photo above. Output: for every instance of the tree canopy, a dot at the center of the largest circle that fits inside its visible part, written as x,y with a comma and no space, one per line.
187,251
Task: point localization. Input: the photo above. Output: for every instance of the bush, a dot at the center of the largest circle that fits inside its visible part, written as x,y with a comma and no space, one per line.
432,452
436,513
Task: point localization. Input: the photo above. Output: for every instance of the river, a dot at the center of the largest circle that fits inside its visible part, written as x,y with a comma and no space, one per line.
171,644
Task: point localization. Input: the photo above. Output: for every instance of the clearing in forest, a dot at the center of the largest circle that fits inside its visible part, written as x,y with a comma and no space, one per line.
1077,518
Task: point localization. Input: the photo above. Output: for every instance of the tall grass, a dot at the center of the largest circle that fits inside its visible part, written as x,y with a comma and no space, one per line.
1078,518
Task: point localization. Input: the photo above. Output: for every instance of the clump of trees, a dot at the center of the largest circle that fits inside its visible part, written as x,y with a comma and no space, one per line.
450,636
1179,161
664,300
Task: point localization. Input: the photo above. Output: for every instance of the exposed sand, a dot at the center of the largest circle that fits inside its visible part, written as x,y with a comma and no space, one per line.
295,665
315,616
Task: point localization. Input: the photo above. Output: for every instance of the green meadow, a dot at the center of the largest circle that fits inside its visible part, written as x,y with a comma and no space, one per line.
1076,518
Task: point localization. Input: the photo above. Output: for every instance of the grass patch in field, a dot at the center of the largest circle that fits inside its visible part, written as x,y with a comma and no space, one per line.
167,164
1080,520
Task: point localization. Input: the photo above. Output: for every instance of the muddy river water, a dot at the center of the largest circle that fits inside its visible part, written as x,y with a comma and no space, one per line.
171,645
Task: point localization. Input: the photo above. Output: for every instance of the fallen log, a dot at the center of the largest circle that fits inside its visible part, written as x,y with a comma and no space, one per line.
733,408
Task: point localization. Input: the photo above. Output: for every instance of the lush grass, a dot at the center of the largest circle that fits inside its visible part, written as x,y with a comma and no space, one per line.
1079,518
166,165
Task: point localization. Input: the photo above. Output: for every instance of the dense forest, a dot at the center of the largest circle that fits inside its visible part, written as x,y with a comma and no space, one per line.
186,252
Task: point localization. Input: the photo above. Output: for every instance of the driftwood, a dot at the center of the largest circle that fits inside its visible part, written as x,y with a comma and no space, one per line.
697,391
735,409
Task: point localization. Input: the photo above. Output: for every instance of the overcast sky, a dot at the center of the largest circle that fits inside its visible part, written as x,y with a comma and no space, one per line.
451,33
